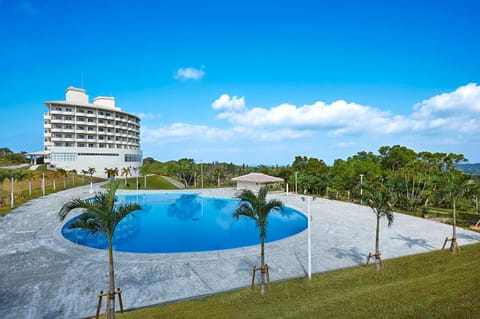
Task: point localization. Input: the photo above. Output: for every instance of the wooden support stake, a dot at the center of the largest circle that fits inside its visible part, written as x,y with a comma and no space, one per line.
454,244
376,256
264,270
102,294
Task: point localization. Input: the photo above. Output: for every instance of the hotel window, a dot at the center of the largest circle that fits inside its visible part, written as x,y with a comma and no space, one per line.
89,112
90,145
90,137
81,119
68,109
80,111
91,120
81,136
90,128
81,128
81,144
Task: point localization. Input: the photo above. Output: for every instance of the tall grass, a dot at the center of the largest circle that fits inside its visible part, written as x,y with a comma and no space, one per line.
432,285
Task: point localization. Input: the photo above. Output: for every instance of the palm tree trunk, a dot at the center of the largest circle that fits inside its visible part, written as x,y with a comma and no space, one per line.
453,244
111,289
145,181
377,243
262,262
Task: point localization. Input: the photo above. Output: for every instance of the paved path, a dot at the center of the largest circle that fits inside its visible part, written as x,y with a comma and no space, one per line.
174,182
43,275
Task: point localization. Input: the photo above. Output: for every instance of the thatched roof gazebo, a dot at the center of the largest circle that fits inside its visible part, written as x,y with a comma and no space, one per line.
255,181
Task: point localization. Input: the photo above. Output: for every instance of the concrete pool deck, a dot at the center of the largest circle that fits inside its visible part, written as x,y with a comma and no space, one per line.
43,275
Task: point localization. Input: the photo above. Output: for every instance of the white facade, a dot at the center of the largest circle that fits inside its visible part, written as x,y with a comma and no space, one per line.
79,135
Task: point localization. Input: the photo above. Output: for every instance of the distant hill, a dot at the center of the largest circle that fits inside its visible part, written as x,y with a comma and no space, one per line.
472,169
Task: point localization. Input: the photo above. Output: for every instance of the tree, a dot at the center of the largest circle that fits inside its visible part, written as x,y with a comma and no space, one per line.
11,175
456,185
31,177
91,171
184,169
101,215
54,175
257,208
3,177
111,173
145,170
83,172
380,199
43,170
19,177
63,173
73,173
125,172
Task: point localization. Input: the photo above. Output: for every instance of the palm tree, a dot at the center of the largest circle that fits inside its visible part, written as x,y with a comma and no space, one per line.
43,169
125,172
145,170
91,171
11,175
3,177
73,173
102,215
31,177
63,173
54,175
83,172
380,201
20,177
257,208
111,173
456,184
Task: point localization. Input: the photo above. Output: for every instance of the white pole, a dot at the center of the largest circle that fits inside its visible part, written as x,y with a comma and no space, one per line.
361,189
287,189
309,242
43,184
296,185
11,193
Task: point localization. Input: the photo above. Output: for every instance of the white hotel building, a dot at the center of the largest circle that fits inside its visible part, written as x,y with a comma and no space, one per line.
79,135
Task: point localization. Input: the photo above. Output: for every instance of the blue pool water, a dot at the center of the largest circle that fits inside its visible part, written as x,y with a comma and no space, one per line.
173,222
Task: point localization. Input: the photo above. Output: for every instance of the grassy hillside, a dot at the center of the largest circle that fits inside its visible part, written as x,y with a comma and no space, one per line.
433,285
153,182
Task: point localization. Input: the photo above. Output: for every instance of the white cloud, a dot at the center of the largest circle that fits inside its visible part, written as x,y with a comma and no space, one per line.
456,111
464,99
149,116
189,74
182,131
229,104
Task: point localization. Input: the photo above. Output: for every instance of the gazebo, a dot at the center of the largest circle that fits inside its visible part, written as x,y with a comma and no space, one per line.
255,181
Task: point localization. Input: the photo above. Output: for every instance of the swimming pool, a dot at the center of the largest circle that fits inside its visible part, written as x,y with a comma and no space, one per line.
174,222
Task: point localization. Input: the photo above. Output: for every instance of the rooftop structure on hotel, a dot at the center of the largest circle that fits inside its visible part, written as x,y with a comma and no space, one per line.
79,135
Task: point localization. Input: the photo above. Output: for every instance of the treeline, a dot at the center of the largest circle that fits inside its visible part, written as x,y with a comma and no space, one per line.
7,157
418,180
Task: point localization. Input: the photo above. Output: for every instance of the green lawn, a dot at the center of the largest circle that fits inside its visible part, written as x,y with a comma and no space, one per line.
432,285
153,182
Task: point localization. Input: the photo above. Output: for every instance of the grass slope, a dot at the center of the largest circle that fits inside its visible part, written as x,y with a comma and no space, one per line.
432,285
153,182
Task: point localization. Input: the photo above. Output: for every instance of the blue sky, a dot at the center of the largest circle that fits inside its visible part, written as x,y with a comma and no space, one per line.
253,82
